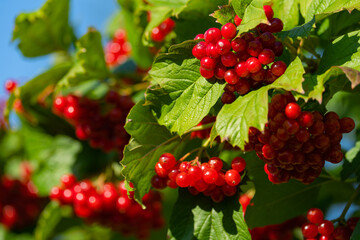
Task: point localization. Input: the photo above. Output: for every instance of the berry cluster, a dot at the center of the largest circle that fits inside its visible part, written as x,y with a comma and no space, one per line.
118,50
208,178
20,205
110,206
10,85
245,62
159,33
105,131
295,143
319,229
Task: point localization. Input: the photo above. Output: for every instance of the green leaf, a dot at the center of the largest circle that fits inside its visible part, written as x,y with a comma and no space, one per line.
224,15
9,107
50,217
7,235
93,89
352,163
253,16
45,30
300,31
198,217
276,203
54,157
288,12
356,234
181,96
89,62
148,142
322,8
158,15
234,120
240,6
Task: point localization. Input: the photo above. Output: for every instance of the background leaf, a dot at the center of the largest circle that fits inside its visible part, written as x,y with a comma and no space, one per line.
352,163
44,31
288,12
198,217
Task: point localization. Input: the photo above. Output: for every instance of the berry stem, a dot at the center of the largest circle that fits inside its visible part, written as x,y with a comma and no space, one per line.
204,146
189,153
348,204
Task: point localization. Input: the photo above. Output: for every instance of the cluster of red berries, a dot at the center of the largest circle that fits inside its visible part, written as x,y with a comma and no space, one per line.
319,229
104,131
10,85
118,50
245,62
295,143
159,33
20,204
206,178
111,206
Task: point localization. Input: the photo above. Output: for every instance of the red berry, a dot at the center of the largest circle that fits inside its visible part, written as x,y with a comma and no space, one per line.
211,51
278,68
342,233
206,73
309,230
278,48
326,228
195,173
223,46
238,44
228,31
254,48
229,59
268,40
183,180
208,63
258,76
184,166
157,35
10,85
199,36
232,177
268,12
266,56
268,152
276,25
216,163
167,26
68,180
231,77
238,164
212,35
160,170
228,97
241,70
347,125
229,190
158,182
210,175
292,110
55,193
59,104
123,203
315,215
167,160
306,119
242,86
253,65
199,50
219,71
237,20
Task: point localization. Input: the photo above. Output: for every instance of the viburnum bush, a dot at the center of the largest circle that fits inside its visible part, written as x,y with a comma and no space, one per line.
188,119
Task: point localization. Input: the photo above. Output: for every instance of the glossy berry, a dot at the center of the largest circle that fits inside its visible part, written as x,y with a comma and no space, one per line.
292,110
238,164
266,56
210,175
208,63
229,59
199,50
10,85
232,177
276,25
315,215
306,119
228,97
238,44
231,77
206,73
183,179
278,68
68,180
216,163
268,12
326,228
254,48
167,160
228,31
237,20
157,35
219,71
199,36
212,35
309,230
223,46
347,125
241,70
253,65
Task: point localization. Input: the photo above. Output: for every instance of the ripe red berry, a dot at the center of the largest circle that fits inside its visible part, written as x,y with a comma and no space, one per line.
195,173
238,164
278,68
210,175
216,163
223,46
199,50
184,166
268,40
278,48
292,110
10,85
160,170
228,31
167,26
266,56
232,177
309,230
242,86
342,233
306,119
219,71
158,182
276,25
211,50
326,228
254,48
315,215
206,73
237,20
238,44
268,152
183,179
268,12
253,65
68,180
157,35
212,35
167,160
229,59
258,76
228,97
229,190
199,36
241,70
231,77
59,104
347,125
208,63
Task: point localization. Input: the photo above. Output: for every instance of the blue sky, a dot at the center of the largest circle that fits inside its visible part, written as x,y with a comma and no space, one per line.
83,14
